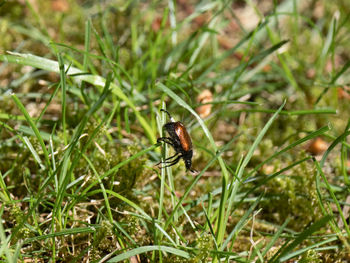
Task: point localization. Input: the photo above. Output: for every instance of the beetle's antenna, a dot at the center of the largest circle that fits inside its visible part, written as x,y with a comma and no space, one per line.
194,171
171,118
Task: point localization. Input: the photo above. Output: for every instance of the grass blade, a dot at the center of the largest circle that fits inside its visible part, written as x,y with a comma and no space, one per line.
301,237
140,250
245,162
79,75
34,128
335,200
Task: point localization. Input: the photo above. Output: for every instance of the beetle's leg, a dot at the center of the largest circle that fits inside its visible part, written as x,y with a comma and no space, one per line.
166,140
167,159
166,113
172,162
171,118
171,157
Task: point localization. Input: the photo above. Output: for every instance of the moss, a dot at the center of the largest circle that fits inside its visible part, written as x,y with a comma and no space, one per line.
310,256
104,240
131,225
293,195
16,217
204,245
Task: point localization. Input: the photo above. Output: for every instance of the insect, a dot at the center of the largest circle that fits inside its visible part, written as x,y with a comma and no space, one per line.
180,140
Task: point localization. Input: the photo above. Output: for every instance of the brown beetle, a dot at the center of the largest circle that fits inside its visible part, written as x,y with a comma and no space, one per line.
180,140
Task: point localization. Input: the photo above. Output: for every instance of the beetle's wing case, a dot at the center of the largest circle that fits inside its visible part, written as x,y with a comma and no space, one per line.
183,136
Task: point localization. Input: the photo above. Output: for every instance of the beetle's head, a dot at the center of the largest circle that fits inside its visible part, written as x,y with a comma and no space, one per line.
188,164
188,161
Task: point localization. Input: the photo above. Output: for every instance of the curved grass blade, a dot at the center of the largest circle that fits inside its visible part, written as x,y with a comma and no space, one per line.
331,147
34,128
79,75
302,236
292,113
314,246
241,223
335,200
300,141
141,250
245,162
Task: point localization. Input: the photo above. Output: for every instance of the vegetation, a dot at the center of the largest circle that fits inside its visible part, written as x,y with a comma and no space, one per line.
262,87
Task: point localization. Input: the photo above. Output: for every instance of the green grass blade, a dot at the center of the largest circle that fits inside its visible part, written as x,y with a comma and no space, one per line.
33,151
302,237
160,122
63,84
275,237
214,64
241,223
331,147
292,145
270,177
65,232
314,246
335,200
245,162
103,190
127,201
34,128
79,75
140,250
5,250
344,157
292,113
